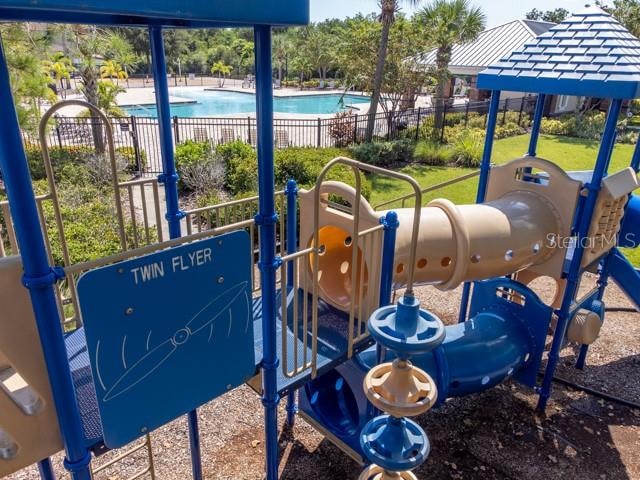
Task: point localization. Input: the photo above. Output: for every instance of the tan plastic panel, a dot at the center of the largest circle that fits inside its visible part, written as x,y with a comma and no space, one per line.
556,188
608,213
28,425
335,232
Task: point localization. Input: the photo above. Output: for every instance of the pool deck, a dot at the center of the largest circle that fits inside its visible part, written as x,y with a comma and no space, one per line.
145,96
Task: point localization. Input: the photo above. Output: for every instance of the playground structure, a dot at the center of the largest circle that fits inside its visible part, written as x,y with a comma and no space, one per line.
325,299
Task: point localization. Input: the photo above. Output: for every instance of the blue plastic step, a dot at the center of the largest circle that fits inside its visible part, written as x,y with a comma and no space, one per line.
333,330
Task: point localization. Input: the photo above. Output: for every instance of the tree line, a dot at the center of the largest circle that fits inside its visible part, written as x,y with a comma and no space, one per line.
381,53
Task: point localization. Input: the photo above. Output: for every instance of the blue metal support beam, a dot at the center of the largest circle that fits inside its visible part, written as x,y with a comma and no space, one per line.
46,470
635,160
291,192
582,230
485,167
40,279
535,126
266,221
169,178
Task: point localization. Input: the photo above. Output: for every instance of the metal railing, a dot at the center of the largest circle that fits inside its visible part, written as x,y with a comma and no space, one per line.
364,301
438,186
138,137
148,470
241,214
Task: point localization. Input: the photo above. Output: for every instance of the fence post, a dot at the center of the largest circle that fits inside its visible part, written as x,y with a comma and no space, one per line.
418,125
355,128
466,114
444,122
521,110
504,111
136,144
249,130
58,134
176,130
319,132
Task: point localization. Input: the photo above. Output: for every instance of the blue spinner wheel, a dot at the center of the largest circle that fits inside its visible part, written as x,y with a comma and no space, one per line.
405,328
395,444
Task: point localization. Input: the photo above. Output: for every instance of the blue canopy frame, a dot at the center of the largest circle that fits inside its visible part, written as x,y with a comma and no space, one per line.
40,277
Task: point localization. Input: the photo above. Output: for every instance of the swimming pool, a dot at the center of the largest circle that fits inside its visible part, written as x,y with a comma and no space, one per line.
217,102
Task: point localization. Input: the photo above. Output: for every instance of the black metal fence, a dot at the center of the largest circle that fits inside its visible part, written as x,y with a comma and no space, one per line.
140,136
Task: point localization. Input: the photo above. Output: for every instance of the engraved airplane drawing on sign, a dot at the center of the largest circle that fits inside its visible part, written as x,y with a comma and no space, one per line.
156,356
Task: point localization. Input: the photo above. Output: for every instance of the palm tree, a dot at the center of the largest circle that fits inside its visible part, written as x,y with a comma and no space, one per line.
282,50
118,49
387,17
223,70
112,69
60,68
449,22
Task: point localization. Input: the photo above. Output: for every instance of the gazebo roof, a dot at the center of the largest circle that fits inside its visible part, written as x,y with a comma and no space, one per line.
588,54
169,13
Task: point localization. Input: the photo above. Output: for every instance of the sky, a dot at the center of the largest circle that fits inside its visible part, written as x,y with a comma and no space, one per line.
497,11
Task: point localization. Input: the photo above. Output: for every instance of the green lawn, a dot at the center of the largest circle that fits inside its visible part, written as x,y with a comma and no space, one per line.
569,153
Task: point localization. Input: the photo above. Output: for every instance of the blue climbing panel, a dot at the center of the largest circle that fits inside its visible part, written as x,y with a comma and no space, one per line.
168,332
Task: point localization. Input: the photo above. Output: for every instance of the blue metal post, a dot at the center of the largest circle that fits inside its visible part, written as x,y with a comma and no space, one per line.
169,178
169,175
535,127
46,470
266,220
583,224
291,191
391,224
485,167
40,278
635,160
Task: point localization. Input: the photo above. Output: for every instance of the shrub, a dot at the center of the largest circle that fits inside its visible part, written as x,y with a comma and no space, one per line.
553,126
241,175
585,125
235,149
468,148
341,128
589,126
129,156
628,137
433,153
203,177
476,120
384,154
509,129
59,156
305,164
191,152
240,166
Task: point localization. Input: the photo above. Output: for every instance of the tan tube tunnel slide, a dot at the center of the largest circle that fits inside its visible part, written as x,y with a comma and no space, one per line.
529,202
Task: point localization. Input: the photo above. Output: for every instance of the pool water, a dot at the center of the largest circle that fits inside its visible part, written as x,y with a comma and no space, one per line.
215,102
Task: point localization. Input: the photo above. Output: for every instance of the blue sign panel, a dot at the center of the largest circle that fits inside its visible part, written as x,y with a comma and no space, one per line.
168,332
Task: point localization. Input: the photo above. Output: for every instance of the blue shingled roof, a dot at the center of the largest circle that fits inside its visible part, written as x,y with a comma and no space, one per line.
589,54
